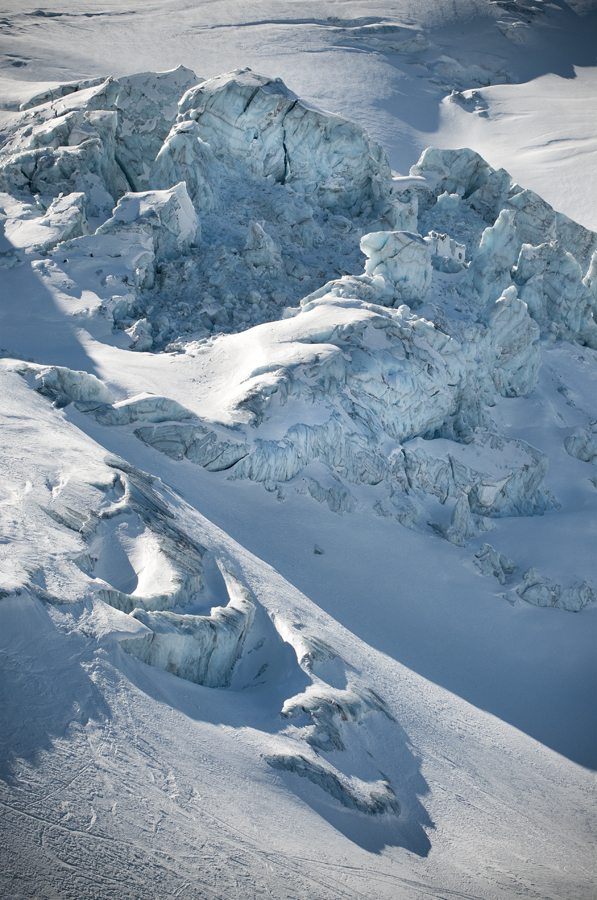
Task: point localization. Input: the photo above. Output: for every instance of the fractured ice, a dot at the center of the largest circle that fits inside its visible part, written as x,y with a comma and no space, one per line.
203,649
191,208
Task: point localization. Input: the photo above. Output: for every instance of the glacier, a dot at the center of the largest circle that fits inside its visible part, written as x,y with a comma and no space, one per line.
375,378
285,398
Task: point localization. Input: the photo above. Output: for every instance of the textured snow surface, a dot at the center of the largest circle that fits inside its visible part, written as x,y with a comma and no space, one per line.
297,559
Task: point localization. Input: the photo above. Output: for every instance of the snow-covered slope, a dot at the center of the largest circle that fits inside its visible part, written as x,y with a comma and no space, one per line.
298,506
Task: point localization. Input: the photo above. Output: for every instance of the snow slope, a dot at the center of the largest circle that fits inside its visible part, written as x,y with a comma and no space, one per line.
298,499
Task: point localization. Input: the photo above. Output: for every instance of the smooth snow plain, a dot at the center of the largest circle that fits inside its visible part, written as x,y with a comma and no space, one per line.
299,451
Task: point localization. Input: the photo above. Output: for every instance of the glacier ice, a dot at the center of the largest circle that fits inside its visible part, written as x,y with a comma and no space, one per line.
65,385
582,445
447,255
276,179
258,122
377,801
202,649
168,216
491,563
141,408
551,283
499,476
190,208
491,267
64,218
198,443
453,171
540,591
61,90
489,190
327,709
462,525
164,565
260,249
185,157
511,346
403,259
147,105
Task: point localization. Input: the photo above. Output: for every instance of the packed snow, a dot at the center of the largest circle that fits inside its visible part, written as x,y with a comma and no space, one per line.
266,403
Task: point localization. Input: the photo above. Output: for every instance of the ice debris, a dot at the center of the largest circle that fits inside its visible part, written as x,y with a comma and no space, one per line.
539,591
491,563
378,799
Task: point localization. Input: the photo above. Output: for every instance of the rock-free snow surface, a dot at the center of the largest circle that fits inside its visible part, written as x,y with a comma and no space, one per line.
298,589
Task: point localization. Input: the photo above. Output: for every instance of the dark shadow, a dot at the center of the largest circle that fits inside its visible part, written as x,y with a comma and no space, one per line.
371,833
31,325
45,694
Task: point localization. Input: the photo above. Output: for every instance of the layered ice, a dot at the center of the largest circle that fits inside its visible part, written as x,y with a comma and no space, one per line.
202,649
258,122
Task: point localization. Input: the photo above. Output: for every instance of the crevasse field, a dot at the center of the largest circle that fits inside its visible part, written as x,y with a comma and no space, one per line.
298,506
